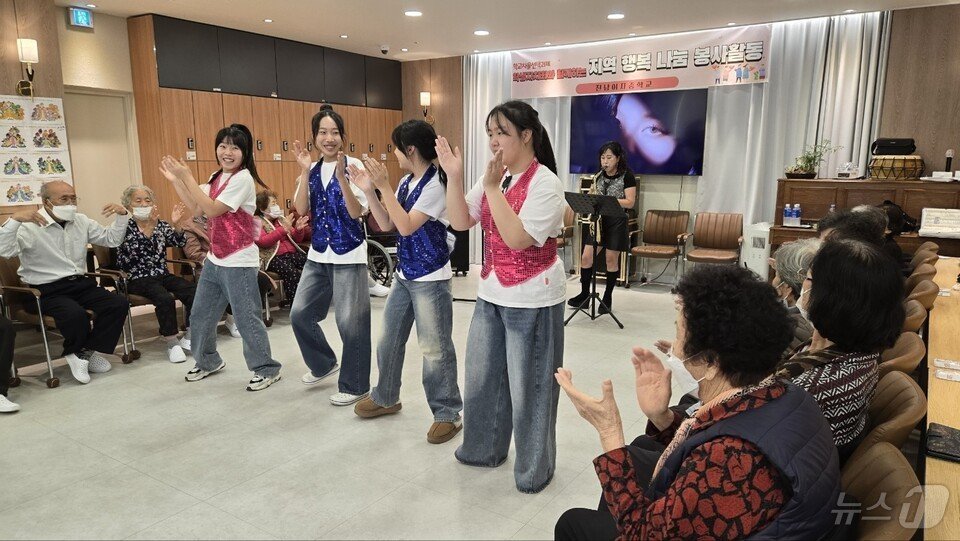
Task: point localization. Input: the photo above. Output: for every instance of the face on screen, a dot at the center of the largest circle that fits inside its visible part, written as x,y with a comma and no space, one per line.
643,132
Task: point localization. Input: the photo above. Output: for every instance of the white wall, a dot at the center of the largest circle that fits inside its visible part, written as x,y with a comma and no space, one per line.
98,58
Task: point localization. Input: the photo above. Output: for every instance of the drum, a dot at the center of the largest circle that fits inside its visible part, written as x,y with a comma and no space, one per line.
896,168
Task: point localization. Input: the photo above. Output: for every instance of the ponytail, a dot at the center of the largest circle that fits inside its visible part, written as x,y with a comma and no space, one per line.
421,136
525,117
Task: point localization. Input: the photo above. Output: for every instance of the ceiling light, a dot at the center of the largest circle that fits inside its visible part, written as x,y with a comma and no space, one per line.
91,5
731,24
268,20
849,11
547,43
632,34
344,36
412,13
404,50
615,16
481,32
476,50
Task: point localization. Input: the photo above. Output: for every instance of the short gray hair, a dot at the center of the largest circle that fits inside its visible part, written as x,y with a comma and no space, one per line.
793,260
127,197
876,215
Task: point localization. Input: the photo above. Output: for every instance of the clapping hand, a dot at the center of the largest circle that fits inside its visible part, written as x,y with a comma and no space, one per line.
341,170
664,346
602,413
494,173
301,222
302,156
378,173
653,387
177,214
174,169
450,160
113,208
360,178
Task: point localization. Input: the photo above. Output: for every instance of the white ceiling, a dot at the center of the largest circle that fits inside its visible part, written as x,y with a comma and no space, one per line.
446,27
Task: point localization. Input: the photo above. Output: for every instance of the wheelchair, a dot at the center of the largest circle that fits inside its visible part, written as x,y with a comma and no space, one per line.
381,251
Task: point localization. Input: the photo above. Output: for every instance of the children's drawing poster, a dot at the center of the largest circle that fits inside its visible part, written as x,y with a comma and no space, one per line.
33,147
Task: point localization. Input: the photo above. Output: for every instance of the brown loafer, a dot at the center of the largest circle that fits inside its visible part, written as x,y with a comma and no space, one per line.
369,409
442,432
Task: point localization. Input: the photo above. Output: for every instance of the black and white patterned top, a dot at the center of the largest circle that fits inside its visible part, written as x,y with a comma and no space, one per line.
141,256
615,186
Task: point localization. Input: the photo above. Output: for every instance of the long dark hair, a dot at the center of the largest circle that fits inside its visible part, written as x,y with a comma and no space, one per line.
421,136
239,135
326,110
617,150
525,117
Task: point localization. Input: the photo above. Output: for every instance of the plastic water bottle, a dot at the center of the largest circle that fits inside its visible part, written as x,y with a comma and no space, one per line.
787,215
797,213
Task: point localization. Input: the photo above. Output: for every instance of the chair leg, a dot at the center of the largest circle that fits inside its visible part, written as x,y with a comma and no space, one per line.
51,380
267,320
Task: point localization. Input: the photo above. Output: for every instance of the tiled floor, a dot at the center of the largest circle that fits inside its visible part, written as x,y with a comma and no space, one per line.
138,453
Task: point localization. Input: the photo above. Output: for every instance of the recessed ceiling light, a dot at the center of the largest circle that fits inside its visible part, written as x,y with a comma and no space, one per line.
413,13
631,34
404,50
476,50
91,5
344,36
268,20
547,43
615,16
849,11
481,32
731,24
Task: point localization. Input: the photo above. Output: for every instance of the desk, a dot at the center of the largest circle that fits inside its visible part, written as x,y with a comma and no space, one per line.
909,242
943,404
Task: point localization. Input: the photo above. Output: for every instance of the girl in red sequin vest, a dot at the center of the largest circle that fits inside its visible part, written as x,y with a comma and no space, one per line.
229,274
515,342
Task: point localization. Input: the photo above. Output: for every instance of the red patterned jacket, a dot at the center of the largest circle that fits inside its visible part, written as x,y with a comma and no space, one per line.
725,489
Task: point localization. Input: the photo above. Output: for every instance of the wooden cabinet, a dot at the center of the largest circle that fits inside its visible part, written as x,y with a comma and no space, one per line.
300,73
377,133
207,121
396,174
205,169
290,174
310,109
344,77
394,118
238,110
271,173
187,53
248,63
292,127
383,83
176,126
266,129
356,140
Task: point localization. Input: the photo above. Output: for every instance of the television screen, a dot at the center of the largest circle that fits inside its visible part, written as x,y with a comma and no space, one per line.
661,132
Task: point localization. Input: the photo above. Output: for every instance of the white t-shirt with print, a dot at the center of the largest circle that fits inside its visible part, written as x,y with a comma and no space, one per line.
433,203
241,196
358,254
542,217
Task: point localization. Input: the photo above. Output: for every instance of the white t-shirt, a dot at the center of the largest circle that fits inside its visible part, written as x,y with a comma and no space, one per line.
542,217
241,196
358,254
433,203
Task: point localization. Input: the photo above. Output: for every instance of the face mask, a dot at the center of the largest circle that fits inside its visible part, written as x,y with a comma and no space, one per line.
65,212
142,213
803,309
274,211
682,376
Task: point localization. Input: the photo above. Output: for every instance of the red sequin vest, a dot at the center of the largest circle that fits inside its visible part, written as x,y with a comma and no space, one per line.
513,267
231,231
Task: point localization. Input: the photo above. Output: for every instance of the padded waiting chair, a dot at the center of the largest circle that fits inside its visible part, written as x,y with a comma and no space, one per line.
883,482
929,246
717,238
21,304
897,406
904,356
926,292
922,257
924,271
916,315
662,237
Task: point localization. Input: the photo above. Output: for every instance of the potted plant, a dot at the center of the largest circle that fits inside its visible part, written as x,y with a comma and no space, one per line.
808,163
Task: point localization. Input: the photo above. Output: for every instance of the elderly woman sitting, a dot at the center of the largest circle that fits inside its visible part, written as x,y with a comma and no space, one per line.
791,262
756,459
143,256
278,242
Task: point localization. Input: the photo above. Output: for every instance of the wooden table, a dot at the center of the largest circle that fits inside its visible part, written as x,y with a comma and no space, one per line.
909,242
943,397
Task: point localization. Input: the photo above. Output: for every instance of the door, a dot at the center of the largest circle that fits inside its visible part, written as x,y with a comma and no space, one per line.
357,140
238,110
309,109
271,173
291,128
176,132
207,121
291,175
266,129
377,133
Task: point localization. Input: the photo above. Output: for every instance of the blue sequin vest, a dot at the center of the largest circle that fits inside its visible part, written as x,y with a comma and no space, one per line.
332,224
426,250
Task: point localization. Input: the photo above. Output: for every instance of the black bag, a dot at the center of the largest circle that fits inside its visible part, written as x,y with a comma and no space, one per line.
943,442
893,147
899,221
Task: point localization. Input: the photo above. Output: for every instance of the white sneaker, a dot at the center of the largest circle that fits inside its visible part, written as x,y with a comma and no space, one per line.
185,344
379,290
345,399
175,353
196,374
6,406
232,327
78,368
310,379
259,383
98,364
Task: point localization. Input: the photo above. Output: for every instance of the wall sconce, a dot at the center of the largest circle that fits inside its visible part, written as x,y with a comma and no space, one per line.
425,103
29,54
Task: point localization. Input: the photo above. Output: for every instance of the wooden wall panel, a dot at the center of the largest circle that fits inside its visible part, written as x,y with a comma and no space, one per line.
443,78
415,77
921,96
146,91
207,121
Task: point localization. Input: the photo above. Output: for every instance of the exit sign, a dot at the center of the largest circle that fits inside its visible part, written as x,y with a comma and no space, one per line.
81,17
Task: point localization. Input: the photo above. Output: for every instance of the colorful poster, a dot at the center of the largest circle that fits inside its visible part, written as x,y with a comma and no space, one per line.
674,61
33,147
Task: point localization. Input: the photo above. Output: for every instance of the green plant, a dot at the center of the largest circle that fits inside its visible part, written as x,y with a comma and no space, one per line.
811,158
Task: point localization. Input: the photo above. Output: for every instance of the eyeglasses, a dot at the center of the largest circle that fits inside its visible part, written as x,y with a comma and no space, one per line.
65,200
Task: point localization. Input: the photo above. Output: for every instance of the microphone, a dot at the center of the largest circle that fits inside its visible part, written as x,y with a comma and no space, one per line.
949,160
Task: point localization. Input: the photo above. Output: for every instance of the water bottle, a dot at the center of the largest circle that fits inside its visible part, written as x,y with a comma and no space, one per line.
833,208
797,213
787,214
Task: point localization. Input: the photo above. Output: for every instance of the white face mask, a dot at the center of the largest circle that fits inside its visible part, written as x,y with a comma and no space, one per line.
142,213
274,211
65,212
683,377
803,309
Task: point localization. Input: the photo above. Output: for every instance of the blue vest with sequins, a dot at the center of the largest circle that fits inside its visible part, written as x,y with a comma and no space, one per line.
426,250
332,224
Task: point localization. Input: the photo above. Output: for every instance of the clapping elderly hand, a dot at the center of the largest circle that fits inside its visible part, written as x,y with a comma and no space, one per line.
602,413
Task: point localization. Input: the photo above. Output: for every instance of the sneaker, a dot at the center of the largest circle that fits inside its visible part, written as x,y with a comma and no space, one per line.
345,399
310,379
369,409
175,353
259,383
185,344
98,364
78,368
444,431
232,327
197,374
379,290
6,406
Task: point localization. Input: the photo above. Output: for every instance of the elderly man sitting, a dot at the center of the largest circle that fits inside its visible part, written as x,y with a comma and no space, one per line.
52,245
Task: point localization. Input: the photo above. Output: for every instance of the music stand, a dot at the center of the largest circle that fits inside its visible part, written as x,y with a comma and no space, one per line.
594,206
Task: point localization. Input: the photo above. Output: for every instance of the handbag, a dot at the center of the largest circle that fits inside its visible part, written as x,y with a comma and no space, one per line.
943,442
893,147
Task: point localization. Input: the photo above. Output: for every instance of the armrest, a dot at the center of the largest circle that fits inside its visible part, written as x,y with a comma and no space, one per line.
108,273
740,241
33,291
635,232
187,262
684,237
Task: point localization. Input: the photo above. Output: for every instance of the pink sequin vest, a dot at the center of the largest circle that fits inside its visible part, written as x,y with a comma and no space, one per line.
513,267
231,231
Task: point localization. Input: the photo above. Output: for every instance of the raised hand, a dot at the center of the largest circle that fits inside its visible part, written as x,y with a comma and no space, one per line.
360,178
450,160
286,224
174,169
301,222
113,208
664,346
653,387
378,173
341,166
177,214
31,216
494,172
302,156
602,412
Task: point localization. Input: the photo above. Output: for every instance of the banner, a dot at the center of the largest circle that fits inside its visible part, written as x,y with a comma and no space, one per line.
33,148
673,61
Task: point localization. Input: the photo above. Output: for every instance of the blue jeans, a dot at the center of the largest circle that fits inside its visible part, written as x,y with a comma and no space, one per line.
352,307
512,354
430,305
236,286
